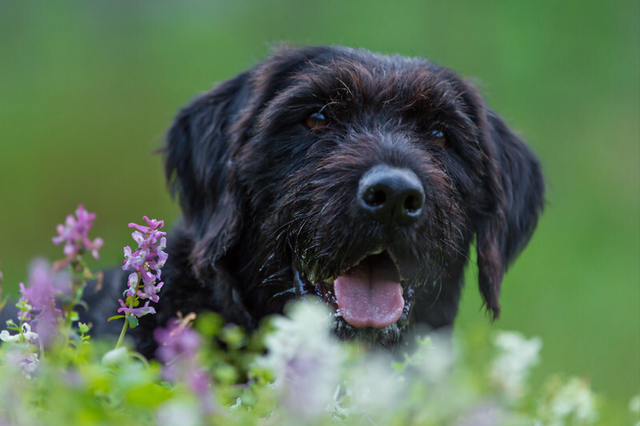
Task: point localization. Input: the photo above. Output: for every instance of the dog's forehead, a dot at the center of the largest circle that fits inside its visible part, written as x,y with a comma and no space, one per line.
386,77
354,84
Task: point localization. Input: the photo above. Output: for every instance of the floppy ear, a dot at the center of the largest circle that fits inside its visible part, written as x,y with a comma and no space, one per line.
515,191
196,155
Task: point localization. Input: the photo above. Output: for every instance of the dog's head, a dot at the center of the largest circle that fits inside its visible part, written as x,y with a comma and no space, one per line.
358,177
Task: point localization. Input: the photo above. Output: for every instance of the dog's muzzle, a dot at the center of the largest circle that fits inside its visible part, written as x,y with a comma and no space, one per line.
370,294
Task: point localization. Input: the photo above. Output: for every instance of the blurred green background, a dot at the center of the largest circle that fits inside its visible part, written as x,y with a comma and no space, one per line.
87,90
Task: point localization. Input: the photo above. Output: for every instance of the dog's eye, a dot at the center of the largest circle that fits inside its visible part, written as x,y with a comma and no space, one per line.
438,136
316,120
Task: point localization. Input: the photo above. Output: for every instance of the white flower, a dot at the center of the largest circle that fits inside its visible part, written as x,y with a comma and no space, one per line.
6,337
510,368
26,332
305,359
575,398
572,401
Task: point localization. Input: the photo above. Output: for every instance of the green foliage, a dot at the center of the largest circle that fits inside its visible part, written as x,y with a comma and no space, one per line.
92,384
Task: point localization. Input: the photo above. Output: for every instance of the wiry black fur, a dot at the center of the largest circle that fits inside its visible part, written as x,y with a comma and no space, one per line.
265,199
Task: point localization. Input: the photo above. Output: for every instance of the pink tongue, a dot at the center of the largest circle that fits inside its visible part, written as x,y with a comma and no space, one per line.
370,294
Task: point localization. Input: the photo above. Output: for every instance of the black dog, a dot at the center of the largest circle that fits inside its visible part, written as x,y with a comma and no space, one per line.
357,177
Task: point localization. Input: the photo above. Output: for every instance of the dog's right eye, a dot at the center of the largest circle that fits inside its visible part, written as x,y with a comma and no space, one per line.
317,120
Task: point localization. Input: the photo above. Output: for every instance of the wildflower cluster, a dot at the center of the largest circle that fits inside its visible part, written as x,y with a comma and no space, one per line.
294,373
74,235
40,321
147,262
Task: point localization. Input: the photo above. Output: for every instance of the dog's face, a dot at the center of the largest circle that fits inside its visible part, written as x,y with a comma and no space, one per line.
356,177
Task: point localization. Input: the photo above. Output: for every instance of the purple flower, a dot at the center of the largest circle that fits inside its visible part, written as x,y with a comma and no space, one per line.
132,284
150,291
178,349
147,260
27,361
176,341
153,225
134,260
41,297
41,291
74,233
136,312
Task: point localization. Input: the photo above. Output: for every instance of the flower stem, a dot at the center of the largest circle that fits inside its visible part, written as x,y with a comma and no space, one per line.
123,332
77,288
132,301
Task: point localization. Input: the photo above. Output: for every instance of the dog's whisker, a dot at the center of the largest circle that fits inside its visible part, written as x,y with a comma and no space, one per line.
454,246
291,292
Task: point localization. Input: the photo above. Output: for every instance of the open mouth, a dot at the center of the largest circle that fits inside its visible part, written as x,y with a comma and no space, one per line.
368,294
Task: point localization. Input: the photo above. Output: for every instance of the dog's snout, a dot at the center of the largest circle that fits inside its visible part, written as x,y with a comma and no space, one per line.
391,195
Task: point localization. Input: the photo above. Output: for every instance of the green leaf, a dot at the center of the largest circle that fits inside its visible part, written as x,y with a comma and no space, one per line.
398,367
233,336
148,394
133,321
209,324
135,300
115,317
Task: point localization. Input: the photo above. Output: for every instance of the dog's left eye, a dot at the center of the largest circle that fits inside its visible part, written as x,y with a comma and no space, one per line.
316,120
438,136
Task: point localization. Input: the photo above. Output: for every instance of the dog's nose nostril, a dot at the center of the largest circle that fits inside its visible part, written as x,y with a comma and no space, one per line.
414,202
390,195
374,197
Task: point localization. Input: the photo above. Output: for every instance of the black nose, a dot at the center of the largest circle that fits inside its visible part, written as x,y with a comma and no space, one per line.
391,195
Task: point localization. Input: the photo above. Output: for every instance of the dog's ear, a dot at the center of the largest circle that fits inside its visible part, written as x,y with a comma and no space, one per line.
197,153
514,198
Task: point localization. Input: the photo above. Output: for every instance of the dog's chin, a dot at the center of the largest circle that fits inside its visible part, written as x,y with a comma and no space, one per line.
388,337
370,300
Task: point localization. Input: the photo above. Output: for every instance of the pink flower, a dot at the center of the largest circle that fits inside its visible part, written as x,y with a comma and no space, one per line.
40,296
176,342
178,349
153,225
151,291
136,312
147,260
74,233
132,284
134,260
